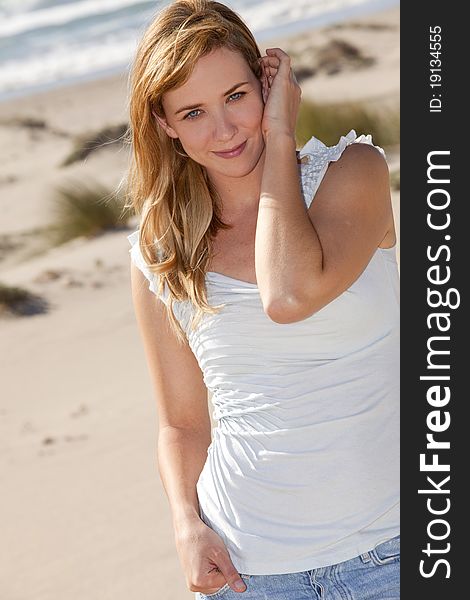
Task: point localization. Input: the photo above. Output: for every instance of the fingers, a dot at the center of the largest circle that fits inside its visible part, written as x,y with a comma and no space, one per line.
231,575
264,85
270,65
276,61
279,60
266,76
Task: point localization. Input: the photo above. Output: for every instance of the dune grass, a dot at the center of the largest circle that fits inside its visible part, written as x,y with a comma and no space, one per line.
331,58
85,210
20,302
86,143
352,25
328,122
24,121
395,180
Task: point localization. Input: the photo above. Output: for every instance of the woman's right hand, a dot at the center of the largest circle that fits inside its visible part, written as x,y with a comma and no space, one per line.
205,559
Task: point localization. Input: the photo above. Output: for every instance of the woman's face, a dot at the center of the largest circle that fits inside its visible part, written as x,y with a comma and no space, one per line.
217,109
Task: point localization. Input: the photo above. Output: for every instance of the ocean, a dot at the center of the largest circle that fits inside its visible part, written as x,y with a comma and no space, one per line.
46,43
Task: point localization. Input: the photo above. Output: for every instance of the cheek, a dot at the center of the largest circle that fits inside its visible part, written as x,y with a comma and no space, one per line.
254,114
196,137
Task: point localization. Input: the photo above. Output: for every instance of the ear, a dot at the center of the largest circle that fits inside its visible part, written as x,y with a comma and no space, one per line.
164,125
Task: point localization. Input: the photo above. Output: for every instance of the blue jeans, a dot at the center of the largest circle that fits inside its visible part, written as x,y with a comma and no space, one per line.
374,575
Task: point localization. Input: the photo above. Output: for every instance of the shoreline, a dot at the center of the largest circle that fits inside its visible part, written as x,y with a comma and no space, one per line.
265,36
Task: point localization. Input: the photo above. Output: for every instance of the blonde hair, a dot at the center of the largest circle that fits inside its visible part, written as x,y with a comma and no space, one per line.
178,206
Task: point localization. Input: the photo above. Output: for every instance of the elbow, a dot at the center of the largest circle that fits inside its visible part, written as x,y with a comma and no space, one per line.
289,310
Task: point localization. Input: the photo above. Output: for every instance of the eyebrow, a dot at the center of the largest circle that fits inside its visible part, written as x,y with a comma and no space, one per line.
202,104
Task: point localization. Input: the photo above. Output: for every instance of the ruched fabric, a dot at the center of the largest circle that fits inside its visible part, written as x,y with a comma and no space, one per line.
303,468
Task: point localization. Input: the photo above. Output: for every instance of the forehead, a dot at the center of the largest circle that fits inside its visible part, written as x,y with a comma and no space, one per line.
213,73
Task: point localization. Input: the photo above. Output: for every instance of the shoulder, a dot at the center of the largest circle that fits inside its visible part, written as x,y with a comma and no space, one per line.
363,153
361,164
355,188
352,160
139,263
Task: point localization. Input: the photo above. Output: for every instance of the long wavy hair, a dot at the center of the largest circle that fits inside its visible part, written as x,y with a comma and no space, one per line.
179,208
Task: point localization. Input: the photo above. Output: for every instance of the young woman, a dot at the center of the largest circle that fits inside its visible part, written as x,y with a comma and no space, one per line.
267,277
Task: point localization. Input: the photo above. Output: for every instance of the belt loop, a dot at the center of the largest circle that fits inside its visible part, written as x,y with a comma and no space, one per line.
365,557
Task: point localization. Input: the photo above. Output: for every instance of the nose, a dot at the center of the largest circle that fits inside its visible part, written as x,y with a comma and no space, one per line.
224,127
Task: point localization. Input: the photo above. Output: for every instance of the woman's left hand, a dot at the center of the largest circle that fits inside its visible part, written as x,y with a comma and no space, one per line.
281,93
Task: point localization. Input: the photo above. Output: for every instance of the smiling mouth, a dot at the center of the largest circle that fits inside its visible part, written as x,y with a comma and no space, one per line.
233,152
231,149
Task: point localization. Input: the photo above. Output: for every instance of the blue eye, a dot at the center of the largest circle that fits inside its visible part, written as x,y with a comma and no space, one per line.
237,94
197,110
188,116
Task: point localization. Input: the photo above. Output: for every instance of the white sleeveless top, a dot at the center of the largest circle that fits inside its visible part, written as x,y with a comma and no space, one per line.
303,468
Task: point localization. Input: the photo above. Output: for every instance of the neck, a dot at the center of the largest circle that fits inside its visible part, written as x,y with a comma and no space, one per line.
240,195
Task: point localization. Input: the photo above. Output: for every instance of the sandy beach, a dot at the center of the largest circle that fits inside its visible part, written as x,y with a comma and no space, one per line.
84,514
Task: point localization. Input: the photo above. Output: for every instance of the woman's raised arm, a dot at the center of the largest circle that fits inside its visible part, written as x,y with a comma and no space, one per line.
315,257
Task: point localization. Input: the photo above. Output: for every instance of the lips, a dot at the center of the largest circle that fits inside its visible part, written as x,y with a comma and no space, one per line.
236,151
230,150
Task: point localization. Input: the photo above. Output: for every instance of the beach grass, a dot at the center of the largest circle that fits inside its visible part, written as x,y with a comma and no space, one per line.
328,122
85,210
395,180
20,302
88,142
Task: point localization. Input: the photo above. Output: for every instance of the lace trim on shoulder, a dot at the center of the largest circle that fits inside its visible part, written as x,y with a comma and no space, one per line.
138,260
315,157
